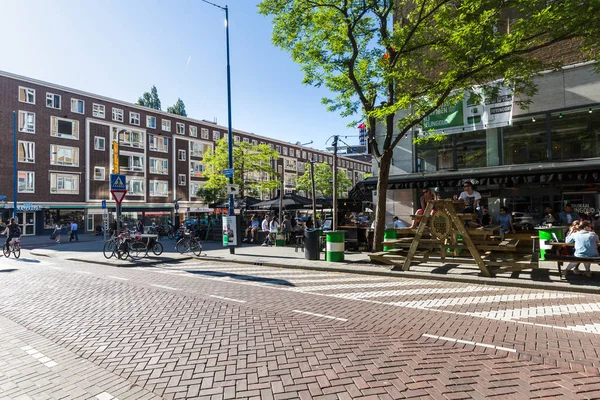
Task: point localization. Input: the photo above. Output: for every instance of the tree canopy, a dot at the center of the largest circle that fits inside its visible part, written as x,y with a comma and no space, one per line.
178,108
252,164
323,181
150,99
429,55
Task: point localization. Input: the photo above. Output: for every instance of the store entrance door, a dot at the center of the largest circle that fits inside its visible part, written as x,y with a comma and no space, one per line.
27,222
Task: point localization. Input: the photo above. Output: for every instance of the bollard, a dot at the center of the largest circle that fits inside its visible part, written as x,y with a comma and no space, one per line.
335,246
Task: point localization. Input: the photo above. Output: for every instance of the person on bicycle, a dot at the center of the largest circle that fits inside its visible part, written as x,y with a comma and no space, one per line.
12,231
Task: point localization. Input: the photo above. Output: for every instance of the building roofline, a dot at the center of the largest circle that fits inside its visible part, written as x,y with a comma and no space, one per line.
164,113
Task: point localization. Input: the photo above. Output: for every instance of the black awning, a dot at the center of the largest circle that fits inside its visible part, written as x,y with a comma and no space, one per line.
577,171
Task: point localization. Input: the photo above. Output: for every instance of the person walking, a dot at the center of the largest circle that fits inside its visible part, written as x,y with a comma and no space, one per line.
74,234
265,228
57,229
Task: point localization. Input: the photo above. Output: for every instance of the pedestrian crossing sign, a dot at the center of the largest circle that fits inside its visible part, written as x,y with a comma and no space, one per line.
117,182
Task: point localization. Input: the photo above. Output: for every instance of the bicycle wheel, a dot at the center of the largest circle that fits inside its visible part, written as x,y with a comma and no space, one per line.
196,247
137,250
157,249
122,251
109,248
171,235
17,250
6,250
183,245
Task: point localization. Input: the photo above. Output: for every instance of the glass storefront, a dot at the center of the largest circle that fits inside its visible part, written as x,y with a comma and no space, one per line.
559,136
63,217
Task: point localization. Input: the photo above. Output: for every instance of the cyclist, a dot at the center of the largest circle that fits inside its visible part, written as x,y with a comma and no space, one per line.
12,231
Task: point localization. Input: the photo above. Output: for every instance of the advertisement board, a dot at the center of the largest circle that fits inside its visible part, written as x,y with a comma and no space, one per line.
229,231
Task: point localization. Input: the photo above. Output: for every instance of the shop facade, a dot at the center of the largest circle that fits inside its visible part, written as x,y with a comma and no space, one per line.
547,155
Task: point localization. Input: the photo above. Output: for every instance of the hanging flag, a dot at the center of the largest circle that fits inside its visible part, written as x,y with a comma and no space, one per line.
362,134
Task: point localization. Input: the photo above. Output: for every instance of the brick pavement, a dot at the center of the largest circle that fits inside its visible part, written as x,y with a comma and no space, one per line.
177,341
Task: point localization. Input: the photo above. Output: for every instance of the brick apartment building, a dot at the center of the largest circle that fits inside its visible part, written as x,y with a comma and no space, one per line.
65,154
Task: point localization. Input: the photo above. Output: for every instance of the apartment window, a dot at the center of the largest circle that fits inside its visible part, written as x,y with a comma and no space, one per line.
254,143
53,100
64,183
181,156
292,153
166,125
26,122
132,138
64,128
159,188
77,106
194,187
134,118
197,149
26,152
159,166
246,140
150,122
135,187
64,155
330,160
98,110
99,173
193,131
320,157
26,95
304,154
204,133
236,139
279,169
132,163
196,169
180,128
117,114
216,135
290,163
181,179
99,143
26,182
159,143
285,152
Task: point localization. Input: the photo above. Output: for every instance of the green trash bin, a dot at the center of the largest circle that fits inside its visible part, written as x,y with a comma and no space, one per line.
279,239
389,234
548,233
335,246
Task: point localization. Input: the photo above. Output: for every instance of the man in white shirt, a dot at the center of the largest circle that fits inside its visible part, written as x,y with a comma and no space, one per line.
470,197
265,228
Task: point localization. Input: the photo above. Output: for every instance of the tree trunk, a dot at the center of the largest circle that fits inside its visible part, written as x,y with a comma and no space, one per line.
380,211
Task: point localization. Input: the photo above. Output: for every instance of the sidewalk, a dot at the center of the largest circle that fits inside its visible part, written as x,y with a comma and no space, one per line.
89,249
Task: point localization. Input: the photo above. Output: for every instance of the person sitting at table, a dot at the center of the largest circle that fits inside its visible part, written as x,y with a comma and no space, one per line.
486,218
251,229
398,223
505,221
427,195
471,197
548,217
417,221
567,216
575,227
586,245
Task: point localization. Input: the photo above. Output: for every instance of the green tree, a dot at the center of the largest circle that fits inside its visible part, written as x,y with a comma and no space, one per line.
429,56
212,195
150,99
178,108
323,181
252,165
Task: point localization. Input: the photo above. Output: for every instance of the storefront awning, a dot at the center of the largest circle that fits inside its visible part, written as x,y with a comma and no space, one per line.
578,171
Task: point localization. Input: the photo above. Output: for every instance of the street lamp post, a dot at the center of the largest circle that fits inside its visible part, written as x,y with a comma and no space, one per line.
229,133
15,173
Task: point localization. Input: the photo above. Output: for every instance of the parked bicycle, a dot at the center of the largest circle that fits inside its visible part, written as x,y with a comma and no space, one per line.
124,245
189,243
14,246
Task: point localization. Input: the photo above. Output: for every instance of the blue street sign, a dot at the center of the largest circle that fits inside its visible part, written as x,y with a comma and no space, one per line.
117,182
228,172
177,206
103,203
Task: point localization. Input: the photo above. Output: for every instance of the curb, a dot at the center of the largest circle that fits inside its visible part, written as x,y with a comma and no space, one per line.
504,282
132,263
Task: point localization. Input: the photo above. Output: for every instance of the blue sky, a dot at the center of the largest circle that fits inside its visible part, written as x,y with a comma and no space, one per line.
120,48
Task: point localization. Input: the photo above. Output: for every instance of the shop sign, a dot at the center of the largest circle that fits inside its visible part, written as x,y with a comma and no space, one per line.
478,110
440,224
582,208
201,209
29,207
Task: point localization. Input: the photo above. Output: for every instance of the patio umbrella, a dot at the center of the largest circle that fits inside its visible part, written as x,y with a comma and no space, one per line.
241,204
290,202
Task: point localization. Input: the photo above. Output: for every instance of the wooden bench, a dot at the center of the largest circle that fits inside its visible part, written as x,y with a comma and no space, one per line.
560,259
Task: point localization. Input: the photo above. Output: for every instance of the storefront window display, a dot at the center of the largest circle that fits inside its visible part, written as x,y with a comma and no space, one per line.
525,141
575,135
62,217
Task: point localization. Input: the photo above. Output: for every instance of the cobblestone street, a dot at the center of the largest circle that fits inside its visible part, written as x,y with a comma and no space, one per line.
200,329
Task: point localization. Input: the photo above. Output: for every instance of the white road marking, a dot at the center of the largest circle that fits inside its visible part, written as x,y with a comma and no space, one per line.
591,328
47,361
84,272
320,315
165,287
363,285
227,298
462,301
536,312
358,279
406,292
56,268
106,396
118,277
490,346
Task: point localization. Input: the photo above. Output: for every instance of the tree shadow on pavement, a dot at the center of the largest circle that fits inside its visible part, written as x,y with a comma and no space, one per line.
9,270
219,274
